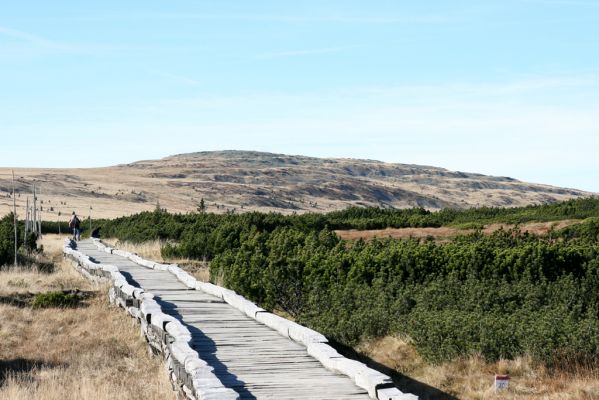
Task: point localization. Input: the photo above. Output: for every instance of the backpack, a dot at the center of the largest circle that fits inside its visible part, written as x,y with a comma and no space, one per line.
74,222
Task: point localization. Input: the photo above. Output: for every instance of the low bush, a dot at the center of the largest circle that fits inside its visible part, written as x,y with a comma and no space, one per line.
58,299
25,245
501,295
201,234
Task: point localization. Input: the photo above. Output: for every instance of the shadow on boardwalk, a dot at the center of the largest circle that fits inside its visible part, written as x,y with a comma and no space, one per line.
207,350
403,382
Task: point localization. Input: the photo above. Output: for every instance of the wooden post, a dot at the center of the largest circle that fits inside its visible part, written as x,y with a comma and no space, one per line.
26,221
90,221
39,221
39,216
34,211
14,210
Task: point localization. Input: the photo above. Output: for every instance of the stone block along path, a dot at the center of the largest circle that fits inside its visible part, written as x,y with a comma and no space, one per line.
247,356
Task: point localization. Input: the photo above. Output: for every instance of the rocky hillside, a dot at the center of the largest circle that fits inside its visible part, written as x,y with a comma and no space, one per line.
242,180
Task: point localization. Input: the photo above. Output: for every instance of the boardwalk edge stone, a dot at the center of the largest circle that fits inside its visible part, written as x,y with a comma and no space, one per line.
191,376
378,385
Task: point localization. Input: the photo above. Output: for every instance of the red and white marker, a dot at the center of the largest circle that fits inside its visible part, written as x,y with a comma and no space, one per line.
501,382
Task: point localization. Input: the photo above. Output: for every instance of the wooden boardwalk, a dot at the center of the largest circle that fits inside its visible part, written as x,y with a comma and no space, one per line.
247,356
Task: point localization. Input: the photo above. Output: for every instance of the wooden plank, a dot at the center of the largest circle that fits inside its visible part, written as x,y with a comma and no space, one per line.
247,356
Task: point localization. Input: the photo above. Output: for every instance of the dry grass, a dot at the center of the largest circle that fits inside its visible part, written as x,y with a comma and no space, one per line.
472,378
31,280
400,233
90,352
536,228
444,233
150,250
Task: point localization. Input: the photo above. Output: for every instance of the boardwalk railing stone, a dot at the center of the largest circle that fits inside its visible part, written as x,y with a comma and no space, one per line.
192,377
197,378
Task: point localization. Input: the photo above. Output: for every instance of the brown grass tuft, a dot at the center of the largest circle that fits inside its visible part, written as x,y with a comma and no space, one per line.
150,250
445,233
25,279
473,378
91,352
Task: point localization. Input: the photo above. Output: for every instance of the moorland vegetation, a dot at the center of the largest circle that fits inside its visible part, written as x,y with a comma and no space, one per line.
502,295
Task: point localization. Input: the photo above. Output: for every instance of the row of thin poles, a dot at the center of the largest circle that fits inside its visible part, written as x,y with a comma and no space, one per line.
33,216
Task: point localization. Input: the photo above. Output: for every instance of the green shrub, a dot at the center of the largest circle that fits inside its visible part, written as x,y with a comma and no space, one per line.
498,295
56,299
501,295
7,242
468,225
586,230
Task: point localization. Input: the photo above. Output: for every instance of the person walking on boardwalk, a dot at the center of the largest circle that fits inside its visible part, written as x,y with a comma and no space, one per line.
75,225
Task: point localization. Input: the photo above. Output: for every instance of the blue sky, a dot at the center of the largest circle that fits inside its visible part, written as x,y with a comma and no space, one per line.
505,87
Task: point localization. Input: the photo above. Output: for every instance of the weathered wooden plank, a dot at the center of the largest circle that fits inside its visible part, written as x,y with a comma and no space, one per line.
247,356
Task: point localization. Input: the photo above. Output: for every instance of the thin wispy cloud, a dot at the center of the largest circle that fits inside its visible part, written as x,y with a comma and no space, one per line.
33,39
525,93
407,19
347,19
565,2
27,43
182,79
305,52
514,89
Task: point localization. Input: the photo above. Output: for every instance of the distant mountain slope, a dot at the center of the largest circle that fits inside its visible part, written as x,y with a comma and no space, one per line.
245,180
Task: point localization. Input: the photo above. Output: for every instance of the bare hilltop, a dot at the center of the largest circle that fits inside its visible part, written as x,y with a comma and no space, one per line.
247,180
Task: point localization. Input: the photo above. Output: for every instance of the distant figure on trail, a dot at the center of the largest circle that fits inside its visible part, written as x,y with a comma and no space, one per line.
75,225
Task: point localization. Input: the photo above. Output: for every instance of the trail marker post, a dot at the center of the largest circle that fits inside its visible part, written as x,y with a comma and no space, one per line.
502,382
39,221
34,211
26,221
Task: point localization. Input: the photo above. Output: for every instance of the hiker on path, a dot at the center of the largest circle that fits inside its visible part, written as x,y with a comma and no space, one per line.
75,225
